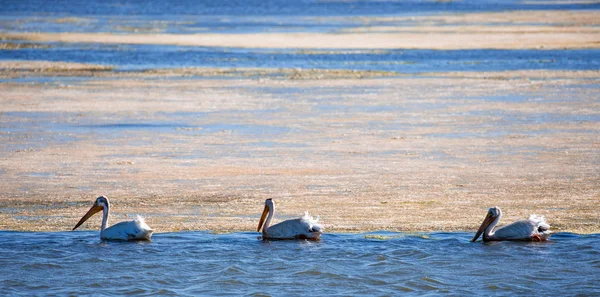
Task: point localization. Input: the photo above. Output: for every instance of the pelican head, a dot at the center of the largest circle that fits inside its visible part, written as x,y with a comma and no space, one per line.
492,214
269,206
99,205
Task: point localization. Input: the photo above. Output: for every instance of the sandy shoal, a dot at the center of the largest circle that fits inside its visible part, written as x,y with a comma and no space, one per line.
551,29
440,41
363,154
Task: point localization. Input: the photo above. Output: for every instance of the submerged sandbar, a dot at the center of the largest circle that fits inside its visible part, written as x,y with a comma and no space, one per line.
201,148
362,153
545,29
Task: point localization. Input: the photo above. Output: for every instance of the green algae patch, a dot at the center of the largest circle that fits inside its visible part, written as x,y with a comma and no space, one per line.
388,237
17,46
274,73
379,237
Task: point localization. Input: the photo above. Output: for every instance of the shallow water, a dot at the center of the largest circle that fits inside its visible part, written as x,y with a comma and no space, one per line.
261,8
143,57
383,263
189,17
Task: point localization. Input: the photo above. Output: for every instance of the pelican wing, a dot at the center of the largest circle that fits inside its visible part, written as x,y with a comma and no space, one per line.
542,228
306,227
515,231
535,226
129,230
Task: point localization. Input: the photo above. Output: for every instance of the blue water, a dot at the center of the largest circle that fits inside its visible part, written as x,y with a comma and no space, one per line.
200,263
141,57
187,17
157,8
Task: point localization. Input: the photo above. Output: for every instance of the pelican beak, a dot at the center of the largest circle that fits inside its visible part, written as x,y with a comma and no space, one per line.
486,222
95,208
262,218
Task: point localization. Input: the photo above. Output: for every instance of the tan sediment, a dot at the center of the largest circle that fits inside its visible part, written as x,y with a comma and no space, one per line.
427,152
519,74
441,41
15,69
449,29
501,30
506,19
403,154
72,20
47,66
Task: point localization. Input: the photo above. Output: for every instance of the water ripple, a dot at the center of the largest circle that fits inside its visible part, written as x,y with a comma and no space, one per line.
381,263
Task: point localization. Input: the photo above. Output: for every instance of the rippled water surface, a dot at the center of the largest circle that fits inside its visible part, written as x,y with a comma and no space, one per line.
140,57
262,8
192,263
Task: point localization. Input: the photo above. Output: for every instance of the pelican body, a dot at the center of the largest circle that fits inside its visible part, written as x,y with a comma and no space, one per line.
129,230
303,228
533,229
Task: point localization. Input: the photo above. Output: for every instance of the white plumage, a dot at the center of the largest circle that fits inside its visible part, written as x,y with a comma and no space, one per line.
306,227
129,230
533,229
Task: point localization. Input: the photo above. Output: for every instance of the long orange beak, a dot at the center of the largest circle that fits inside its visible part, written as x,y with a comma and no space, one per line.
95,208
262,218
486,222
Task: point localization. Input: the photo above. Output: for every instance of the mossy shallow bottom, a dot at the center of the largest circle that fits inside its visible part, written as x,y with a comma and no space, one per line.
416,153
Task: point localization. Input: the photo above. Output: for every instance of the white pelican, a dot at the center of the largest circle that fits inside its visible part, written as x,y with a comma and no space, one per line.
302,228
130,230
533,229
